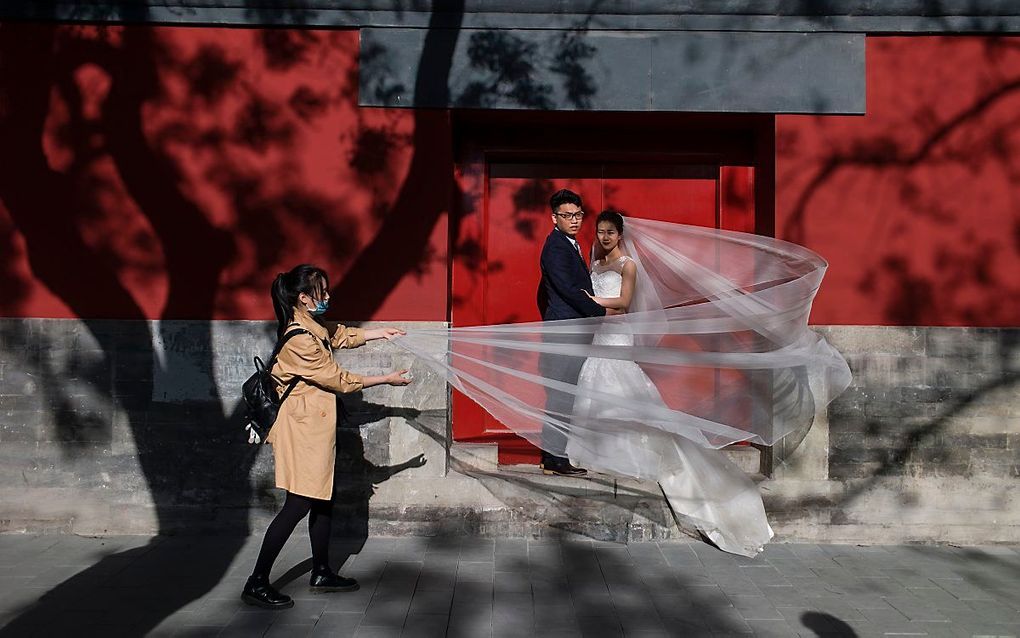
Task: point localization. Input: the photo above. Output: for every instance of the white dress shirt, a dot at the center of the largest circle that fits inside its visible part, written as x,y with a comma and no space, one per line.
574,242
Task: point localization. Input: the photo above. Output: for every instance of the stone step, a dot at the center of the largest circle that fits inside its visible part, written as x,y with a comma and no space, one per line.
482,457
478,496
485,457
746,457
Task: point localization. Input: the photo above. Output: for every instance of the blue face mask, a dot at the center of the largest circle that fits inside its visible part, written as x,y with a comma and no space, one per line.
320,308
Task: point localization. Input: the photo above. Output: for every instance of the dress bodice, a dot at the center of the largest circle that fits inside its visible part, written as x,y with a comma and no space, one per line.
607,279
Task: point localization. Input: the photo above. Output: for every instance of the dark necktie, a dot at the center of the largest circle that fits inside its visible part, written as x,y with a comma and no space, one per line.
577,246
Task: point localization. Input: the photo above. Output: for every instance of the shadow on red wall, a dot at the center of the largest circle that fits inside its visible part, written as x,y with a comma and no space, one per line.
917,205
169,173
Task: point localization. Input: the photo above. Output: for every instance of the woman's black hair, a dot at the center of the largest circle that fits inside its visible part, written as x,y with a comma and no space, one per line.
287,286
612,216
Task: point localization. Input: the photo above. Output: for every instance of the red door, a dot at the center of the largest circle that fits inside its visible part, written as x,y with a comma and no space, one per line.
496,273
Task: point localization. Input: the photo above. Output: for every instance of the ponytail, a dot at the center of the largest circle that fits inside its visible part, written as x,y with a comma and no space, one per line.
281,304
289,285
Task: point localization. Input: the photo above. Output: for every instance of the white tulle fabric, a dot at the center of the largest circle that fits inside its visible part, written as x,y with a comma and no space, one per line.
715,350
701,484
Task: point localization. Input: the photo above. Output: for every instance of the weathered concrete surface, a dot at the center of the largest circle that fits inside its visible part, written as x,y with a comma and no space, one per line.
482,588
924,446
131,427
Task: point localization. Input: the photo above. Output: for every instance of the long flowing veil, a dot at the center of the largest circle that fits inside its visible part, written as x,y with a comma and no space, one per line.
718,323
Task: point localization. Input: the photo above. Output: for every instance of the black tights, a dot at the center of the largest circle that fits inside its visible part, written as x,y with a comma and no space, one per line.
320,518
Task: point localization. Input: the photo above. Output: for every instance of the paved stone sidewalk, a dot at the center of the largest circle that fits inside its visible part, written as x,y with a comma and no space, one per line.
66,585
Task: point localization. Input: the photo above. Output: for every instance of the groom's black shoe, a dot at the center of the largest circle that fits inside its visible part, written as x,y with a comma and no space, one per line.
560,467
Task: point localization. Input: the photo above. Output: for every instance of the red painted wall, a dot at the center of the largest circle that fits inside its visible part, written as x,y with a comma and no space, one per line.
917,205
172,172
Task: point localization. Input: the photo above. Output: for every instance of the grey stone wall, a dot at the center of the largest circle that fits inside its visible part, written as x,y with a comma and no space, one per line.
133,427
924,446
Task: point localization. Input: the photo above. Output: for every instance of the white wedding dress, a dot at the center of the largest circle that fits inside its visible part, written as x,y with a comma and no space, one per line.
702,486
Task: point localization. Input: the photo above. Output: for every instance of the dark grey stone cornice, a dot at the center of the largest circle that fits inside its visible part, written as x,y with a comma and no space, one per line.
857,16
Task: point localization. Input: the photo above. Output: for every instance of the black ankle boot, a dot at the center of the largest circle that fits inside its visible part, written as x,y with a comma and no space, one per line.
561,467
257,591
324,580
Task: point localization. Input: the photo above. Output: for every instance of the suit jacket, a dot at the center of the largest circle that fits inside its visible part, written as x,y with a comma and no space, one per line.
564,276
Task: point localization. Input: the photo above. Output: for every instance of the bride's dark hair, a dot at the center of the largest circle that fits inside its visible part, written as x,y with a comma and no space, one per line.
612,216
615,218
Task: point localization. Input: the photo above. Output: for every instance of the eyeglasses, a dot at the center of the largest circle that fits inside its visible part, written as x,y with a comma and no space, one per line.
578,215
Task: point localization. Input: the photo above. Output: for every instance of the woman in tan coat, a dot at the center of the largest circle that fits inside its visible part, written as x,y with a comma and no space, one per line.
304,434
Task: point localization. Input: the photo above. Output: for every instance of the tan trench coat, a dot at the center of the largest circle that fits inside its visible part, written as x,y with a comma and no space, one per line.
304,435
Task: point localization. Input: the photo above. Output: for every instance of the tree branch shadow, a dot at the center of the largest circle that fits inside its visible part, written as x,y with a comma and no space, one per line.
196,254
907,157
915,440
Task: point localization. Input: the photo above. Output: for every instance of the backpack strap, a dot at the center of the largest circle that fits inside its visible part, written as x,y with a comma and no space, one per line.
290,386
276,352
284,339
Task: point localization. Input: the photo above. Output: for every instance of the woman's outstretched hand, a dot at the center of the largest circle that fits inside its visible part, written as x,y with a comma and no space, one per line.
383,333
397,378
394,378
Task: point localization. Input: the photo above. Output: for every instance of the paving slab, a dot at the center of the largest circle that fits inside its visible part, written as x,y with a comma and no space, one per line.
485,588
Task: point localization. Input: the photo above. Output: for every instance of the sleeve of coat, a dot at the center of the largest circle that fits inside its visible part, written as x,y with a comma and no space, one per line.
345,337
555,268
306,357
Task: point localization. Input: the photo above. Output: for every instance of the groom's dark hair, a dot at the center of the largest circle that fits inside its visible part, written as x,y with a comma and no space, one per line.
564,196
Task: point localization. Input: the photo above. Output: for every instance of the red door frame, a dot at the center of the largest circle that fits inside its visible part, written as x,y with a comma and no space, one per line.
743,147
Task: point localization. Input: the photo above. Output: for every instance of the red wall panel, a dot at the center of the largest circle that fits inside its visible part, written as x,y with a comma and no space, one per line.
916,205
172,172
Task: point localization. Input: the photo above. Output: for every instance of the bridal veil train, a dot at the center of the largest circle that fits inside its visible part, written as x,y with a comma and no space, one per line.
715,350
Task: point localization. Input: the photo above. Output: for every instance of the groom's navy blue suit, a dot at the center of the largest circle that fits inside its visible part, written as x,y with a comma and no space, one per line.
565,277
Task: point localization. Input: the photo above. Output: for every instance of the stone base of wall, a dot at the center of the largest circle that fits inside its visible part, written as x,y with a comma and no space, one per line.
133,427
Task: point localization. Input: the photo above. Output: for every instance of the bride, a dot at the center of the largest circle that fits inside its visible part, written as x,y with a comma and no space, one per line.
702,486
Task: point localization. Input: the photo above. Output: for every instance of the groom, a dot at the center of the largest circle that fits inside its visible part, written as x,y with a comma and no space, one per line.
565,278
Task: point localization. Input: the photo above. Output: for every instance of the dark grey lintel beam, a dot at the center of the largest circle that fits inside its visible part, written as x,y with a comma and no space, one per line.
622,71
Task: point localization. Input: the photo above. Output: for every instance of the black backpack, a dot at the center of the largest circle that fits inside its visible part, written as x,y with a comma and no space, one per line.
262,402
